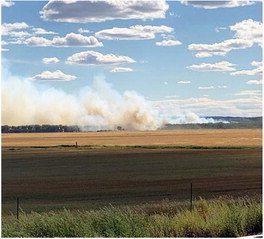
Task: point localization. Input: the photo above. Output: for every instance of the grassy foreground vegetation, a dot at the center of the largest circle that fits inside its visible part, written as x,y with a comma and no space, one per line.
222,217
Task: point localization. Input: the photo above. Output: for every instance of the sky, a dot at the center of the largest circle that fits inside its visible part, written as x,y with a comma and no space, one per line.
182,59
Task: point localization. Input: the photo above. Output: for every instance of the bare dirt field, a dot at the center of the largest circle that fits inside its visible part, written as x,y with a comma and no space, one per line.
226,137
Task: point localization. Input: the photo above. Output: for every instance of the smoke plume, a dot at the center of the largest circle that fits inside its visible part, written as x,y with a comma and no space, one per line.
97,107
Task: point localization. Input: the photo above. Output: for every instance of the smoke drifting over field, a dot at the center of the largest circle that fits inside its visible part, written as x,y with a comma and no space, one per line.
98,107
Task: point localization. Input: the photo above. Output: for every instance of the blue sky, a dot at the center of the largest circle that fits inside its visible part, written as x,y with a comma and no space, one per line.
181,56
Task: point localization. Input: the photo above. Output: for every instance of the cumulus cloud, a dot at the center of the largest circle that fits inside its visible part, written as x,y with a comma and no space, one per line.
8,28
53,76
19,34
218,4
121,69
184,82
102,10
6,3
249,93
254,82
168,43
248,30
137,32
81,30
35,41
248,106
70,40
41,31
97,58
218,29
219,49
219,66
247,33
50,60
19,31
171,96
257,70
206,87
256,63
247,72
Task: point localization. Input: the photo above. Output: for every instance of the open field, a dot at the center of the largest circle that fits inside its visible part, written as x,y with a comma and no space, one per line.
53,177
227,137
85,177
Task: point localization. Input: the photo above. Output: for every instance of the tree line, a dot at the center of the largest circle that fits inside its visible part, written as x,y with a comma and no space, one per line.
39,128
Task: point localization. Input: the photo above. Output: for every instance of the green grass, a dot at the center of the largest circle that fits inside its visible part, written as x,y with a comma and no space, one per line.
222,217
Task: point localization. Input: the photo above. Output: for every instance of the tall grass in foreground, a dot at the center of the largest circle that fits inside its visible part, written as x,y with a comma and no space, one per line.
215,218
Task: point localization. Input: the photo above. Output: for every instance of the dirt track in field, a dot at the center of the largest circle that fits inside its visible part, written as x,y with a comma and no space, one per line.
226,137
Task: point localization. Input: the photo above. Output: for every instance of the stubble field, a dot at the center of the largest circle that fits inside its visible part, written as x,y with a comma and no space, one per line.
226,137
103,170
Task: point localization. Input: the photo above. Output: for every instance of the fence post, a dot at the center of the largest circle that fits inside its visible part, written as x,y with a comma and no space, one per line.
76,145
191,196
17,211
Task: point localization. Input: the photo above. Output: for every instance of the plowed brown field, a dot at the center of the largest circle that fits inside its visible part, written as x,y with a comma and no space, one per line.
49,178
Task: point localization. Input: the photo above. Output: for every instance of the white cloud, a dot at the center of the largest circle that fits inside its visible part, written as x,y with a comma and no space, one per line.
219,49
217,4
97,58
19,34
5,3
171,96
137,32
103,10
73,39
41,31
121,69
70,40
6,28
218,29
254,82
36,41
219,66
256,63
248,30
222,86
168,43
248,72
81,30
247,33
4,49
14,30
184,82
53,76
245,107
249,93
206,87
50,60
257,70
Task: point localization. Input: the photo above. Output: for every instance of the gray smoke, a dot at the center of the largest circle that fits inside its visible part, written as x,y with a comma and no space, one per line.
97,107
